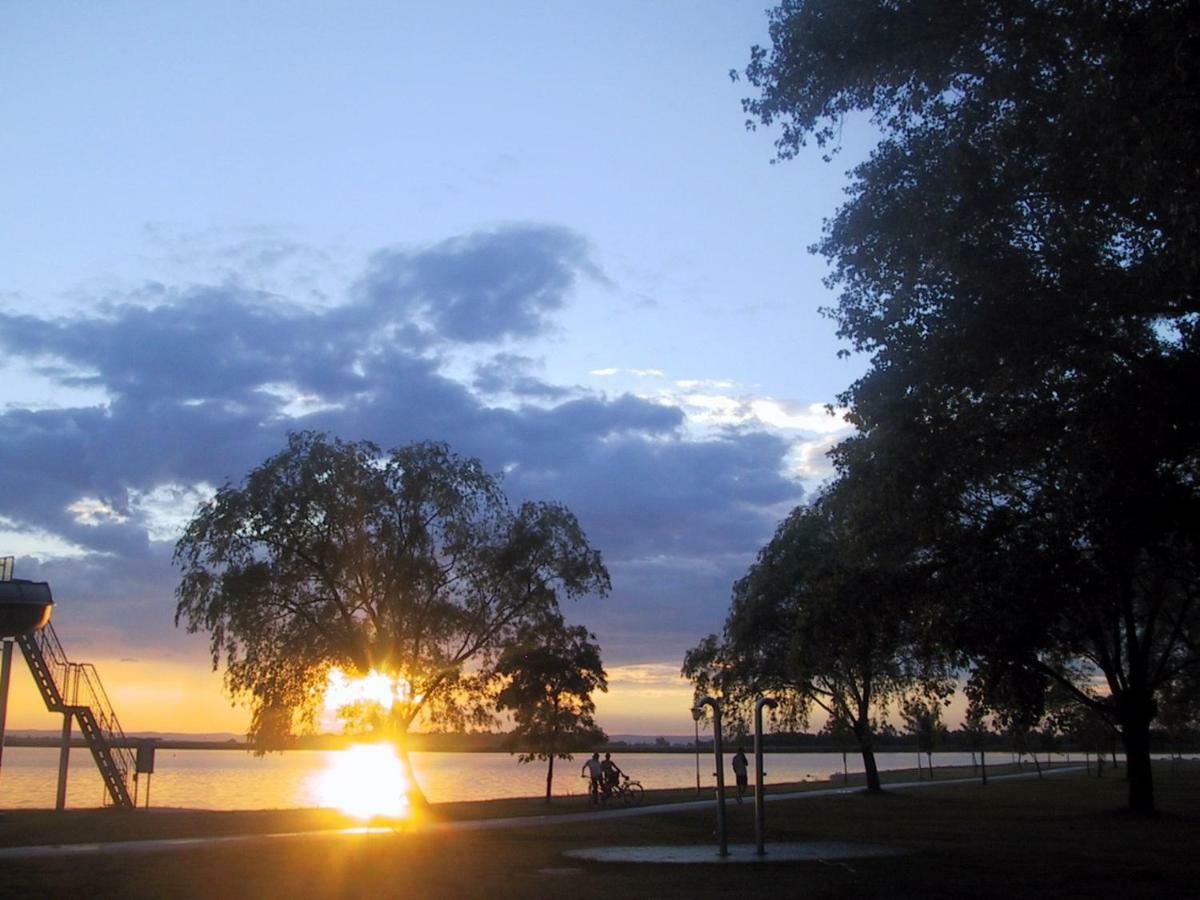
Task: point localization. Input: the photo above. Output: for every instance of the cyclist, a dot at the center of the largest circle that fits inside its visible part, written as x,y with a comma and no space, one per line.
611,773
594,770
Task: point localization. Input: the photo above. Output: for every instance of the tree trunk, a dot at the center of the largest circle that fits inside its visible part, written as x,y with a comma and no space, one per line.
929,759
872,771
1135,733
983,764
416,797
549,776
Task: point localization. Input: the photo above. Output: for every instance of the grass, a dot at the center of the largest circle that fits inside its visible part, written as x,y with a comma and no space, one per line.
1062,836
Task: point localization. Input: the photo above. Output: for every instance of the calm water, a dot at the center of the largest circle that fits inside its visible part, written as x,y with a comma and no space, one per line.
234,779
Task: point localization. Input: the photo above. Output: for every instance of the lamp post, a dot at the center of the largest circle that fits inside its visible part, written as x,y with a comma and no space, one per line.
720,773
697,715
760,827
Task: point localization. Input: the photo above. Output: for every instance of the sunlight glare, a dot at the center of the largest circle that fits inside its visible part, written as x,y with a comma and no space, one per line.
365,781
375,687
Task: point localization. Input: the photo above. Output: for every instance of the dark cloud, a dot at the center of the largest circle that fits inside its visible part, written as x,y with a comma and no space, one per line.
484,286
509,373
204,382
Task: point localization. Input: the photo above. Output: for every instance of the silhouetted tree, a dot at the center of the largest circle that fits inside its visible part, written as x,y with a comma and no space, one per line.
819,620
1179,711
548,677
410,563
1019,256
977,729
842,737
922,717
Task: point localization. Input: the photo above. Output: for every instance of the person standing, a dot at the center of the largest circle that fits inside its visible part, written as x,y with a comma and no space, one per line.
740,766
594,770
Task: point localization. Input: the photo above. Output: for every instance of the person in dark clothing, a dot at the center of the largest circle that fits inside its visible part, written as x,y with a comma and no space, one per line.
740,765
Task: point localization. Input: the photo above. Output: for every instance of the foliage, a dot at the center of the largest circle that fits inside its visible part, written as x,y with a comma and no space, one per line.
922,718
1179,709
332,553
549,675
1019,258
820,621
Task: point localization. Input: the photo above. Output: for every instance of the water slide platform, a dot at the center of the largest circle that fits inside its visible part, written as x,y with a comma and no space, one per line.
24,607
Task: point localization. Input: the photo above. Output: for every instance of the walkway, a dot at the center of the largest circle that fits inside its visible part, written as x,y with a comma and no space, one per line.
159,845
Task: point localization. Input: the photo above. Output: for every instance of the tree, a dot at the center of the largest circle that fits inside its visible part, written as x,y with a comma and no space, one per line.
976,729
818,621
923,720
1019,257
1179,712
842,736
333,554
549,675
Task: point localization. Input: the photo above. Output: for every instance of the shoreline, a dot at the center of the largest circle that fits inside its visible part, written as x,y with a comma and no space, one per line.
1062,835
30,827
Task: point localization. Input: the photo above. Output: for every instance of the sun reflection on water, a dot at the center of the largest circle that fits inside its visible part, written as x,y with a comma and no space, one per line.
365,781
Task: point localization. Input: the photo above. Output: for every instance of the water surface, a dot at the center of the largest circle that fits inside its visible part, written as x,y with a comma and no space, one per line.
236,779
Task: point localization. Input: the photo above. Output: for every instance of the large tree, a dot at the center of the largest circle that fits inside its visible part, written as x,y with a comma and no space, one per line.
821,621
1019,257
548,675
409,563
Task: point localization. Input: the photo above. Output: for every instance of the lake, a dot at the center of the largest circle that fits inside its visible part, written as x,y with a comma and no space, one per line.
235,779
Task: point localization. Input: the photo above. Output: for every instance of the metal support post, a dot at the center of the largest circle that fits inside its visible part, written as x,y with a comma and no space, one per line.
720,773
760,818
5,675
64,759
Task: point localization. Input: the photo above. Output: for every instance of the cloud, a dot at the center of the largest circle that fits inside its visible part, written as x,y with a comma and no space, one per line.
485,286
509,373
198,383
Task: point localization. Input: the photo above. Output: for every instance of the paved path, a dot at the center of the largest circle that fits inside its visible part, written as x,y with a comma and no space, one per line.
158,845
739,854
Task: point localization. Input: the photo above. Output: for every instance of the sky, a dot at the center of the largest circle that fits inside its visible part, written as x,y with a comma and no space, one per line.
540,232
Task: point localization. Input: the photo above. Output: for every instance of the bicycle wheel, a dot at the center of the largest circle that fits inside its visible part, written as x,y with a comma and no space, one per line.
633,793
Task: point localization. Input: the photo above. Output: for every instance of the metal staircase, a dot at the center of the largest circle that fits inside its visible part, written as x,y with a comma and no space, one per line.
75,689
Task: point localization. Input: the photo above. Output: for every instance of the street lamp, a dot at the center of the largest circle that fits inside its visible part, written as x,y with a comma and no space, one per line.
697,715
720,773
760,828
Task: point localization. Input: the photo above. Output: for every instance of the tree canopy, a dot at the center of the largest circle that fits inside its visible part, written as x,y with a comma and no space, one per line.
1018,257
410,563
548,675
820,620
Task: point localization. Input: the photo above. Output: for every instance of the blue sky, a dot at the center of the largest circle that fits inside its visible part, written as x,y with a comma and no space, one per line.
540,232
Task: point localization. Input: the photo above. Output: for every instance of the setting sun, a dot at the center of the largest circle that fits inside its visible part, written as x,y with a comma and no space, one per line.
364,781
342,690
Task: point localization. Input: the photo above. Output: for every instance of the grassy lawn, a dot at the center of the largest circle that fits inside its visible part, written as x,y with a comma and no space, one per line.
1062,836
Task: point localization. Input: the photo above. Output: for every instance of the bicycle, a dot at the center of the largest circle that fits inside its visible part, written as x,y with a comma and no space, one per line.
626,793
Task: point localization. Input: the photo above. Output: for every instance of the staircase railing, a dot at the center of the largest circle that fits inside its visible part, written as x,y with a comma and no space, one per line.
75,687
89,691
57,666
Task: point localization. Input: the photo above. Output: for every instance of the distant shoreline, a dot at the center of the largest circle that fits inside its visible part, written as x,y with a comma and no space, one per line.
495,744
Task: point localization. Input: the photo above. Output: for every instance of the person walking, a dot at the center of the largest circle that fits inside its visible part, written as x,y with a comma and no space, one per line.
594,770
740,766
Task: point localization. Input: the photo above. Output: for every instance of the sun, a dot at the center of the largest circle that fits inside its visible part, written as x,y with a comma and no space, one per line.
379,688
365,781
